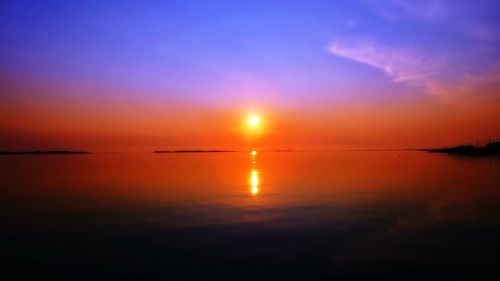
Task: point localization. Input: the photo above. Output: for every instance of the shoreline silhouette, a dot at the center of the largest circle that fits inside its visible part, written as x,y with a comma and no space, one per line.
489,149
43,152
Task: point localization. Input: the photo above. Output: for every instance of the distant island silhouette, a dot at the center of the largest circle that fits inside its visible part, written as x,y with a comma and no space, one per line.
191,151
37,152
469,150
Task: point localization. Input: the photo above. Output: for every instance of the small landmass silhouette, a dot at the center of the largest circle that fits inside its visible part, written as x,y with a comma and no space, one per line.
191,151
492,148
37,152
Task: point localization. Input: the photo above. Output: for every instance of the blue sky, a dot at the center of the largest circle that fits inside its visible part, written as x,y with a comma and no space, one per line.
193,46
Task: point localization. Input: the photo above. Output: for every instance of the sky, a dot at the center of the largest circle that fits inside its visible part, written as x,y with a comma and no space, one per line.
146,75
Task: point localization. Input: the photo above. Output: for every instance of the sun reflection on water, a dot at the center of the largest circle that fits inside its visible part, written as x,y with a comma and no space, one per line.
254,174
254,182
253,156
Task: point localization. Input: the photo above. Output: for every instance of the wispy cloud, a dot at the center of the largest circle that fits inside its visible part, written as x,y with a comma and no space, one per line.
442,75
403,64
477,89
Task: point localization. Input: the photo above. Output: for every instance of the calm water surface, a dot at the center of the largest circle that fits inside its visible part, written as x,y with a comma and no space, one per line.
210,216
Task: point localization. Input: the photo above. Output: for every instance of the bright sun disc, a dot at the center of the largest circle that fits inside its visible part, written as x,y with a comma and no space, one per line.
253,120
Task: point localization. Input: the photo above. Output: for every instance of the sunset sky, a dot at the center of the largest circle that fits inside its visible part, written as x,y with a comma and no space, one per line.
146,75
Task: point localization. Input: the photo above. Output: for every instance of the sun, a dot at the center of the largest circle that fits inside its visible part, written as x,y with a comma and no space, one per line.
254,120
253,125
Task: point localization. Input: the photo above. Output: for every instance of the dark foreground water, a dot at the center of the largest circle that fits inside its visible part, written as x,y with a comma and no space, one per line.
298,215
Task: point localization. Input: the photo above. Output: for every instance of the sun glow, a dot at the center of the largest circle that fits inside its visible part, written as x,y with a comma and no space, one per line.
254,120
254,125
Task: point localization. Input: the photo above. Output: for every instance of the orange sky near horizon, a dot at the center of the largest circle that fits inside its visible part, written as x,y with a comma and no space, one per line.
101,124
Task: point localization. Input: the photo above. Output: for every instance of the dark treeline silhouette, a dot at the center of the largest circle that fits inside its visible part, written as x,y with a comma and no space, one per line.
190,151
492,148
35,152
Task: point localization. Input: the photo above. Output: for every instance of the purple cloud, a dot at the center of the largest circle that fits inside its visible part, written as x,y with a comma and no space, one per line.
405,64
443,75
